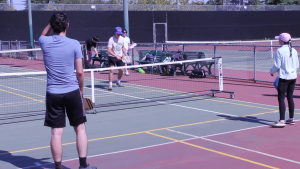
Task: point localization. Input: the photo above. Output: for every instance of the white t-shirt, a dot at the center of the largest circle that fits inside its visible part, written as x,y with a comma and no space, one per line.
126,42
116,45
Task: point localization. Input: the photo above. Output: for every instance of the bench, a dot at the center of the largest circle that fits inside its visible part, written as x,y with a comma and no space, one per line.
198,64
161,55
103,58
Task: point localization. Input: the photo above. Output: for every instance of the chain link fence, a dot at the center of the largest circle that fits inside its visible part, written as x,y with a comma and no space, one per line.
240,62
146,7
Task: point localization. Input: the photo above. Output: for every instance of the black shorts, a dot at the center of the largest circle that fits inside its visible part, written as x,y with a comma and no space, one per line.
113,61
58,104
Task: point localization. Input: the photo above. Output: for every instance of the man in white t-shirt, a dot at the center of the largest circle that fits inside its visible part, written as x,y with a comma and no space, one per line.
115,50
127,46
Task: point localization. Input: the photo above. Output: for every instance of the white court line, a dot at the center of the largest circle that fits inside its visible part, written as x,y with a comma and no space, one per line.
22,91
18,68
258,152
155,145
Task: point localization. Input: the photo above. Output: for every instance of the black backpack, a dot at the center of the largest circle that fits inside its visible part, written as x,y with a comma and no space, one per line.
149,57
178,56
198,73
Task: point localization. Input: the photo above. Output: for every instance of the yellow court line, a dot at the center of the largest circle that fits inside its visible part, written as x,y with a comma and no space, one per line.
132,133
28,82
260,113
214,151
18,105
241,104
21,95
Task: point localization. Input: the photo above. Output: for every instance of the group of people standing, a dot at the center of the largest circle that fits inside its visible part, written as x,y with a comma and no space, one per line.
63,55
118,47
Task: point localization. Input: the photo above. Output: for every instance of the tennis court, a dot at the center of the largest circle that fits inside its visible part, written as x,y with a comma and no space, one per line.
167,132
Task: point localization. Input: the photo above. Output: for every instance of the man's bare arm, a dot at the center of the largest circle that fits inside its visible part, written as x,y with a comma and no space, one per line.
124,51
47,30
79,73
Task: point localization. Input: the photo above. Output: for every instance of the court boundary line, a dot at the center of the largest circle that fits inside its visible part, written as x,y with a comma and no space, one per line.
238,147
153,145
214,151
128,134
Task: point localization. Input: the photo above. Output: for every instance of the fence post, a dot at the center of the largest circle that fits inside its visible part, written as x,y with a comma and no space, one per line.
132,56
254,63
86,66
215,48
182,48
271,48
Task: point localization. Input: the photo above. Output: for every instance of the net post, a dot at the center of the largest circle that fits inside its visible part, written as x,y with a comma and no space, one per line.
93,86
220,74
254,51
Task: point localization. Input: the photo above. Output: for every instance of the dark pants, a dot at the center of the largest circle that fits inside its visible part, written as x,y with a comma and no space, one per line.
286,87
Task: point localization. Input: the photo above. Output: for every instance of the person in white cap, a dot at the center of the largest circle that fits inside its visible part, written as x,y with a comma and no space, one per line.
286,64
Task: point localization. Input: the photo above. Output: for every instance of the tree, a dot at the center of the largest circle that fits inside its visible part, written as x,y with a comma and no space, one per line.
283,2
214,2
3,1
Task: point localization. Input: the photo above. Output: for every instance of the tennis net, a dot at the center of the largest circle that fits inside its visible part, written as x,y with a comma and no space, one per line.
23,93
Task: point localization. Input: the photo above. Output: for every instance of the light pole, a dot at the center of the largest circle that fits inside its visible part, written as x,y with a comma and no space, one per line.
126,20
30,23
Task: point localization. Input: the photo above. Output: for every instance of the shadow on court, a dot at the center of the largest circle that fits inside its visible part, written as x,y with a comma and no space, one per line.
249,119
22,161
275,95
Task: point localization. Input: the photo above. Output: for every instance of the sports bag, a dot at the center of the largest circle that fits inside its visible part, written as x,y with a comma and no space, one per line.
198,73
148,57
178,56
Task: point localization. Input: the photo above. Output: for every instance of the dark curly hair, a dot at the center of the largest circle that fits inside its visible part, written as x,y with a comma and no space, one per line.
59,22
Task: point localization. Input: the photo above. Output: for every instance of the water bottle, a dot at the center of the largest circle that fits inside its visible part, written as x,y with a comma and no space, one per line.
154,58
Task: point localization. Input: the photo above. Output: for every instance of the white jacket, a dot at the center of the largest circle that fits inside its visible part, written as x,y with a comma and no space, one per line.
284,63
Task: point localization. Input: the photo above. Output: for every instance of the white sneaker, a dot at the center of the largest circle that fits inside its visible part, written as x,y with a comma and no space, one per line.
109,88
278,124
127,73
119,84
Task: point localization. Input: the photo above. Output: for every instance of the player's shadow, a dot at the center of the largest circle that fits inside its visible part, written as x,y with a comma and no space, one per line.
104,86
275,95
21,161
250,119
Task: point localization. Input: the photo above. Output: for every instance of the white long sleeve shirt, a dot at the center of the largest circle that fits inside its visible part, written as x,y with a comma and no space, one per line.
284,64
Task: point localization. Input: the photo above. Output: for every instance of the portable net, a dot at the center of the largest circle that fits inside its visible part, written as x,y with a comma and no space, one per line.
23,93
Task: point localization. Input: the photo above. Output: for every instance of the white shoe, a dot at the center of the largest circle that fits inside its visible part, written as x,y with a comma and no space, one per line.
278,124
109,88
